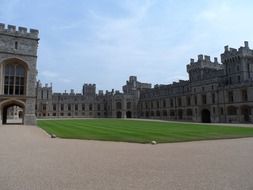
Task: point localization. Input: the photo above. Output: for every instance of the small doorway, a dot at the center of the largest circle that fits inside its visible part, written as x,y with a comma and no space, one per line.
206,116
129,114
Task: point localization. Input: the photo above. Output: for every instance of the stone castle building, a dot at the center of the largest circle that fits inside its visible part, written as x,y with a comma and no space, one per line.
18,57
215,92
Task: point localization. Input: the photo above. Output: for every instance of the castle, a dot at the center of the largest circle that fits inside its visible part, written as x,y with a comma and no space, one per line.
215,92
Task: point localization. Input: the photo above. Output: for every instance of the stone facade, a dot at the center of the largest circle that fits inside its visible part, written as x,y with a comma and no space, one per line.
18,57
111,104
215,92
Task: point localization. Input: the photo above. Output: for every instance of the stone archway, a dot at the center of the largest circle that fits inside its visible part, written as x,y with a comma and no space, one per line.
129,114
206,116
11,104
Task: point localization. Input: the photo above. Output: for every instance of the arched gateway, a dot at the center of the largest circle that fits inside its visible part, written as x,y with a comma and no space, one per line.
18,57
206,116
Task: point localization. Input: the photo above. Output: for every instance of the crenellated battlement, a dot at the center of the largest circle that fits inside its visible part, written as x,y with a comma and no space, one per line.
231,54
89,85
18,31
204,61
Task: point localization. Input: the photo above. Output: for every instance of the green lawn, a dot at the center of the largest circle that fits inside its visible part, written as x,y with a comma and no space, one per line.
139,131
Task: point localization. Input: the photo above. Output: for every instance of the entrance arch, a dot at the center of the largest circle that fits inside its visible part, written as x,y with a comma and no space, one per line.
206,116
5,110
129,114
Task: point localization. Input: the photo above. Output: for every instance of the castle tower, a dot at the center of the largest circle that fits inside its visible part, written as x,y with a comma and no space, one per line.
203,68
18,57
238,64
89,90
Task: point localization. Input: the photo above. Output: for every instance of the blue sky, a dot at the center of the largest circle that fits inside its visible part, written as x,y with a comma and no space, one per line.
106,41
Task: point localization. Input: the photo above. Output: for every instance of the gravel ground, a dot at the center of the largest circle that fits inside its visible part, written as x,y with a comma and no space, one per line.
30,160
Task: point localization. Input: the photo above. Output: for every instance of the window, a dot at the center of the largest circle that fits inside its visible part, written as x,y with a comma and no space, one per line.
14,79
238,78
16,45
195,100
238,68
44,106
213,98
157,104
188,101
90,107
244,95
83,107
54,107
98,106
69,107
128,105
221,111
76,107
62,107
203,99
164,103
171,103
230,97
179,101
189,112
118,105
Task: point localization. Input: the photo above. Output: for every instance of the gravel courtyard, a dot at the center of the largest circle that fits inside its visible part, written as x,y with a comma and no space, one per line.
30,160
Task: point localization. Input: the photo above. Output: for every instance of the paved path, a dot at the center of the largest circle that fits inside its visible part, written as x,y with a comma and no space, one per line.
30,160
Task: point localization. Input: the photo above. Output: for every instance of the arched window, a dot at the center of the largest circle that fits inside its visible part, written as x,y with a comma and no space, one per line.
14,79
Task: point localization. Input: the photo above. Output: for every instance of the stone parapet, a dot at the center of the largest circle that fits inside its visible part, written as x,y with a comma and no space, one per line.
18,31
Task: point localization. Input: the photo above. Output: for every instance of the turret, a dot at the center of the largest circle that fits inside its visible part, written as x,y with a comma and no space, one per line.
238,64
201,69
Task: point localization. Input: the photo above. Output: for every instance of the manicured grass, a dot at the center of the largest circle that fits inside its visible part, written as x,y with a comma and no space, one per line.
139,131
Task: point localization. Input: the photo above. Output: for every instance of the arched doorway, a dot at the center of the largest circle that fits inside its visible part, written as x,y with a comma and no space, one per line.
119,114
206,116
12,112
129,114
